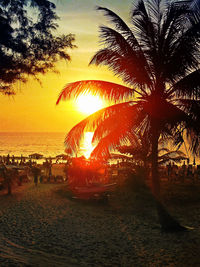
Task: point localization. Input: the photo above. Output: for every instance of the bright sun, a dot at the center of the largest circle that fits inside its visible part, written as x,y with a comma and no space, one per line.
88,103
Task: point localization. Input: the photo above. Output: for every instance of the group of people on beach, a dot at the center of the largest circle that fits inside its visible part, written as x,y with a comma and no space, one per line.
14,172
175,172
78,172
37,173
16,161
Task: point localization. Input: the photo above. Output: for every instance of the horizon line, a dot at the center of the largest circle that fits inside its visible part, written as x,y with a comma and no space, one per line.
32,132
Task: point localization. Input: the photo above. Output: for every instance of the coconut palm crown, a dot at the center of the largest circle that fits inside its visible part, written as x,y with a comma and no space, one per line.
157,58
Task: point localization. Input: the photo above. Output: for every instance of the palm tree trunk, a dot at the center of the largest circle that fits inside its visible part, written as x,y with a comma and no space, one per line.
154,168
167,222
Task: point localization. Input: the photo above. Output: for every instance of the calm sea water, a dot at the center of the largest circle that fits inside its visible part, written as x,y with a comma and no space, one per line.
48,144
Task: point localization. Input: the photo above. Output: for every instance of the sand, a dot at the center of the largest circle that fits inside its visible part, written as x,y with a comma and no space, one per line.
43,226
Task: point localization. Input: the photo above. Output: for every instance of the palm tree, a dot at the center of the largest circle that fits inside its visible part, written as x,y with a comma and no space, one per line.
141,153
167,156
158,59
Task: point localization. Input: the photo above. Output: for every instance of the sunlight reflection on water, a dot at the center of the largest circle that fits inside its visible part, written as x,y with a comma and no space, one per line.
87,146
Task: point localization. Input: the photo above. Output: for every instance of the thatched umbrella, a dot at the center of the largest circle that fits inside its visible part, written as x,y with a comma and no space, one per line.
36,156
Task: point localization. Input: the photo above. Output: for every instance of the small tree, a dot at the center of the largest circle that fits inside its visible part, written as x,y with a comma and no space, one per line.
28,44
9,177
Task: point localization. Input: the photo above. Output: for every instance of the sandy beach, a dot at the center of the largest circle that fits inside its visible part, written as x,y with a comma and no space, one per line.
43,226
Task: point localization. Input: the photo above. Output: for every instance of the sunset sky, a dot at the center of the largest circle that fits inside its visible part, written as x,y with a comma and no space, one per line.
33,109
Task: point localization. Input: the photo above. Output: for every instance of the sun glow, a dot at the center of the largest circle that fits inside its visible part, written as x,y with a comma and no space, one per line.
88,103
87,145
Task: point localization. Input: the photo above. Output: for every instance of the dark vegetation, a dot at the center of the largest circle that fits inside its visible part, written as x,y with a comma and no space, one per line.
29,44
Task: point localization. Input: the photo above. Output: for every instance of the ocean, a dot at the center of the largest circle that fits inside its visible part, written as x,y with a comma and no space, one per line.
48,144
17,144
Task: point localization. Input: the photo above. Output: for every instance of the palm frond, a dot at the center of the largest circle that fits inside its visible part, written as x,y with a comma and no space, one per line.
192,124
178,137
175,156
110,134
138,152
121,26
194,6
172,154
190,107
130,149
167,160
107,90
163,149
183,52
188,86
126,116
130,58
146,31
193,139
127,67
169,33
155,7
111,141
165,140
91,123
128,35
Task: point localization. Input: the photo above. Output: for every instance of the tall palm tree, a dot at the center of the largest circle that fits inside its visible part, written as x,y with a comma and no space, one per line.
158,59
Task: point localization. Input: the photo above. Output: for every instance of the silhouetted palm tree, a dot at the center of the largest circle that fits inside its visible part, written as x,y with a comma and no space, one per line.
158,58
142,155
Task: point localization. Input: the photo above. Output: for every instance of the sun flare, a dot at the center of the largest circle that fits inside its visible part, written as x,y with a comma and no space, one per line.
87,144
88,103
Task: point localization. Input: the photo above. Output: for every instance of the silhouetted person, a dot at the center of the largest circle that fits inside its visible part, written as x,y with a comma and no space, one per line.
13,160
169,170
22,161
30,163
8,159
41,178
50,170
36,172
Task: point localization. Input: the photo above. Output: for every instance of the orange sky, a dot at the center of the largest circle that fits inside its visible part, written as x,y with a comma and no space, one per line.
33,109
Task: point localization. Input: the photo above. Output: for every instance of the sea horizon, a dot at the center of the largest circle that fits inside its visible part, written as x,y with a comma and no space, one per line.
4,132
26,143
49,144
